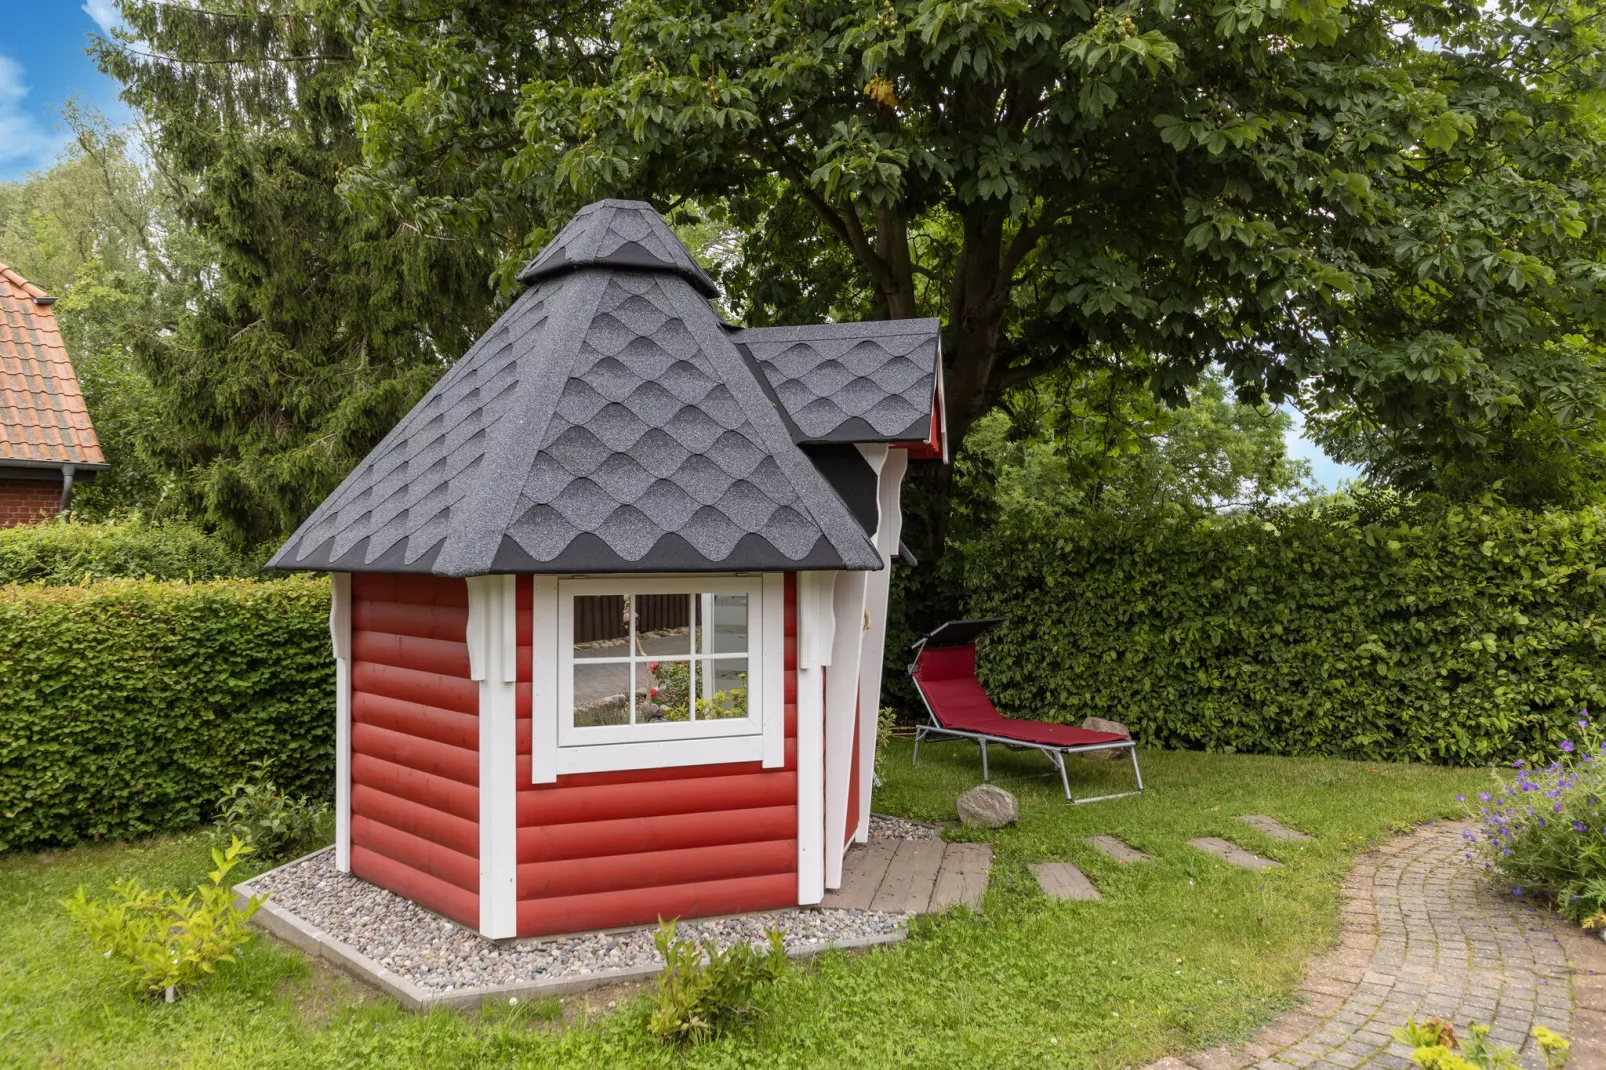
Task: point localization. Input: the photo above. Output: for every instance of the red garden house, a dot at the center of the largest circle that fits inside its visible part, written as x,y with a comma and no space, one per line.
609,603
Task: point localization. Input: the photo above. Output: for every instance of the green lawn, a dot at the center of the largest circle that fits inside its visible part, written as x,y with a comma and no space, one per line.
1181,953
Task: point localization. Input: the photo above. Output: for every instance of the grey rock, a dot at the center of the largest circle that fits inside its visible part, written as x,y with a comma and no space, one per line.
989,807
1099,724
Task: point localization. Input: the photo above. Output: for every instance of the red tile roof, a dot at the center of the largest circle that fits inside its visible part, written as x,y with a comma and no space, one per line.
42,414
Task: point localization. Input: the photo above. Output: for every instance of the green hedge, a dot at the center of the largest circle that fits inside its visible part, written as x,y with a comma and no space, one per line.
1472,635
69,551
126,707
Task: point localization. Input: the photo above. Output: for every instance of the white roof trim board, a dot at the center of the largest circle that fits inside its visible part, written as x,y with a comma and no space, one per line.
610,422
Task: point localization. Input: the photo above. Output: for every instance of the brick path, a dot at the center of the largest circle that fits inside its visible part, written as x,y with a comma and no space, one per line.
1424,933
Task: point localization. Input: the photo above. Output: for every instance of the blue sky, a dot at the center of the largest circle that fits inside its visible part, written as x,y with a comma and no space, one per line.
42,64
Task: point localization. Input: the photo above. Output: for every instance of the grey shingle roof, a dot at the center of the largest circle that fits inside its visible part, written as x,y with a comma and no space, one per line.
618,234
606,423
851,382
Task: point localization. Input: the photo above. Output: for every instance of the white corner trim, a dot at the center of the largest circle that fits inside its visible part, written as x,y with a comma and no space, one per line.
841,710
810,785
544,680
816,618
773,678
340,640
877,588
493,633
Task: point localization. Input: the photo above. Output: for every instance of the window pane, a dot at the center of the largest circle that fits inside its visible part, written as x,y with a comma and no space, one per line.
722,688
601,626
666,686
721,623
601,694
663,624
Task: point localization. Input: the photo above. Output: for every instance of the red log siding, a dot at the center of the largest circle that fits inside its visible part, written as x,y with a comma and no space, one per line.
415,768
606,849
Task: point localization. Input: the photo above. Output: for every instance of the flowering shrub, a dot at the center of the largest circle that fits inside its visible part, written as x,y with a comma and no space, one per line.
1546,832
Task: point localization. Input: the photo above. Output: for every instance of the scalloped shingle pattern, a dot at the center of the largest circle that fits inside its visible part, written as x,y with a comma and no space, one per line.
648,441
398,504
627,235
851,382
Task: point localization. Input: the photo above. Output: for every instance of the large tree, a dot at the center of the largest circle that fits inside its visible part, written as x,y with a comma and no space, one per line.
316,325
1391,210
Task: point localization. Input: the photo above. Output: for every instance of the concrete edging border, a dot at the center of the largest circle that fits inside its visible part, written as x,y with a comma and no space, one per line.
314,941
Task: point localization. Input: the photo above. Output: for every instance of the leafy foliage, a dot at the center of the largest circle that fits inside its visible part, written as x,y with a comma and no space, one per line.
1435,1047
1392,211
101,232
1457,634
72,551
1546,833
274,825
169,943
129,706
704,991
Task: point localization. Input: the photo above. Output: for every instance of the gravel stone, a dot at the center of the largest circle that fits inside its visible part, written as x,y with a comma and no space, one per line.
886,827
442,956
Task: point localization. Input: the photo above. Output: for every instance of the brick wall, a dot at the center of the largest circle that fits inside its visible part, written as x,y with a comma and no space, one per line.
26,501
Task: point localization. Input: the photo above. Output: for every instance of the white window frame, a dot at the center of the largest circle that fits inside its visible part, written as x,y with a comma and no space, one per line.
757,737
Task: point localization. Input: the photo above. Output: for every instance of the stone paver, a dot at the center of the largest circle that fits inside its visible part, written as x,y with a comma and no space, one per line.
1270,826
1116,849
1232,854
1061,880
1424,933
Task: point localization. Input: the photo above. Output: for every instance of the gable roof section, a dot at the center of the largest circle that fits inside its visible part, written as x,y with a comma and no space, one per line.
43,421
851,382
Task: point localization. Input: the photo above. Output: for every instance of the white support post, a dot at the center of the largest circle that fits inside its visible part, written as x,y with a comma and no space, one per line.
544,681
773,675
841,715
340,640
890,466
493,661
816,626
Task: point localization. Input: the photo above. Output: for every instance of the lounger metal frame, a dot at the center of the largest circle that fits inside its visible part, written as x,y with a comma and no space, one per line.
1055,754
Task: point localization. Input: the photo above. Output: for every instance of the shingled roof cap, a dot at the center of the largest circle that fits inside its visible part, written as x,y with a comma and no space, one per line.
620,235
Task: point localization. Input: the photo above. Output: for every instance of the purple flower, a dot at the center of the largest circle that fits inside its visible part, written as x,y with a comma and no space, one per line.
1556,808
1460,798
1483,795
1516,891
1567,745
1579,826
1518,764
1584,723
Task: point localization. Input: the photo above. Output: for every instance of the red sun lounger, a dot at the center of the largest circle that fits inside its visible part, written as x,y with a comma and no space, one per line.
944,673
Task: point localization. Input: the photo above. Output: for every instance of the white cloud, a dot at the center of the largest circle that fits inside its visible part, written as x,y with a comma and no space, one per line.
25,139
104,12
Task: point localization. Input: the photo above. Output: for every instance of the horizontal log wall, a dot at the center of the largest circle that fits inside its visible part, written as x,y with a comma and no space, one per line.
415,800
606,849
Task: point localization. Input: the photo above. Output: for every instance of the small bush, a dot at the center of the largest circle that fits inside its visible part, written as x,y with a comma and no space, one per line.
166,943
274,825
1546,832
704,991
1435,1046
71,552
128,707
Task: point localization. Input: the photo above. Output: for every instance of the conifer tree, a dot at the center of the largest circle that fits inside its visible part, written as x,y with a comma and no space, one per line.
316,325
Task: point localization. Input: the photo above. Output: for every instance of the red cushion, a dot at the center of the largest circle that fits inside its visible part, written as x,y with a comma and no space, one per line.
946,677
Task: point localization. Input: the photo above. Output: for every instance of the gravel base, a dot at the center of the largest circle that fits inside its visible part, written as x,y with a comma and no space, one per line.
883,827
442,956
